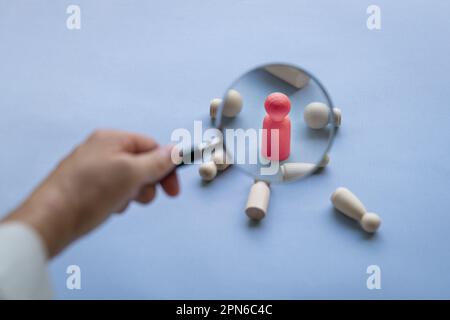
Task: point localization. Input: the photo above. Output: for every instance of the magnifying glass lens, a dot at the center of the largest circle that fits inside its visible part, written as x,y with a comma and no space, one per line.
277,123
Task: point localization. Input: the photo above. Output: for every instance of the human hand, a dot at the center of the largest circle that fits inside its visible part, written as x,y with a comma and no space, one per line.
101,176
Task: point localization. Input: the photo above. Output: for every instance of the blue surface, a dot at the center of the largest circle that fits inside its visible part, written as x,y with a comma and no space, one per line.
153,66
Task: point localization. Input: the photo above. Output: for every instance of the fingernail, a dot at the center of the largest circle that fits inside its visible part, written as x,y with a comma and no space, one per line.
175,154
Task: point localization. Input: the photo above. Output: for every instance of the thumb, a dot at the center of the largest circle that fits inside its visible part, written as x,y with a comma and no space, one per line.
156,164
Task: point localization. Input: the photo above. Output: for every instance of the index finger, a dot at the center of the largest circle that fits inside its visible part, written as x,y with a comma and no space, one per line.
138,143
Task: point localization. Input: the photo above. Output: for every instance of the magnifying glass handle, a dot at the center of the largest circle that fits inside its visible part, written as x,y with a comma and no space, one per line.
189,157
196,151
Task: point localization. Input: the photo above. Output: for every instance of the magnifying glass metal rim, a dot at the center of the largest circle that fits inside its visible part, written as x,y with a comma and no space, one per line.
219,122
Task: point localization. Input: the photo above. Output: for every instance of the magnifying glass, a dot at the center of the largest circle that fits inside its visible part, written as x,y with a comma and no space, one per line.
275,122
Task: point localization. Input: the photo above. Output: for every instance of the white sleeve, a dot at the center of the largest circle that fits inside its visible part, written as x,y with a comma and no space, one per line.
23,263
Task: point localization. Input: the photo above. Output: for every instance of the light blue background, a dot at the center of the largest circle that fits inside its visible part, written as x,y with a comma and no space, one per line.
152,66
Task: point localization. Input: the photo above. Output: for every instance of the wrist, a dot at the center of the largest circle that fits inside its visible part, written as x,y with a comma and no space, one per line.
45,212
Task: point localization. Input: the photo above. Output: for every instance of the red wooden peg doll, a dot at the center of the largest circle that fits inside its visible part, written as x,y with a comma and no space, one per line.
277,106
